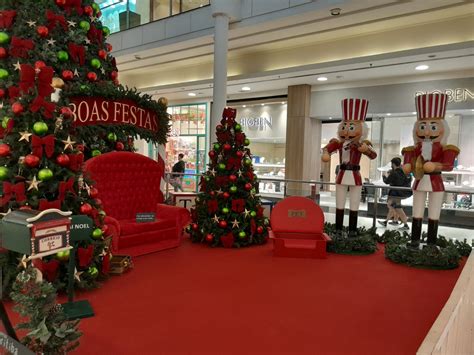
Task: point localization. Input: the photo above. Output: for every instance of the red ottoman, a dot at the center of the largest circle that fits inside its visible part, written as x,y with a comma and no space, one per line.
297,229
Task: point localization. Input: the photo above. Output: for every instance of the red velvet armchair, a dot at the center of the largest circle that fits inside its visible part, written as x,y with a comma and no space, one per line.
128,184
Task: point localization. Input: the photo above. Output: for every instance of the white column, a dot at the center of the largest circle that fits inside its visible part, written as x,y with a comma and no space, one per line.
221,34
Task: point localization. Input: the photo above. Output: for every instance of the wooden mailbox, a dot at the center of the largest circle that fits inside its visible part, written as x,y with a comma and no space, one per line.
36,233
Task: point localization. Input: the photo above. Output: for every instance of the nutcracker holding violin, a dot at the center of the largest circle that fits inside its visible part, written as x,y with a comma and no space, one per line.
351,144
427,159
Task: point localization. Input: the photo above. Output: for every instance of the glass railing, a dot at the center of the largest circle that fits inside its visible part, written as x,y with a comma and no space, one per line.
121,15
456,220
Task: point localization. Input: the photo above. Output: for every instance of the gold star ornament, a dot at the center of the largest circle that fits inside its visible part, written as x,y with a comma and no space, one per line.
33,184
68,143
25,136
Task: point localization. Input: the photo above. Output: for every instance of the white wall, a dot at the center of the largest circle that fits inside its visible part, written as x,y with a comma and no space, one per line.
466,141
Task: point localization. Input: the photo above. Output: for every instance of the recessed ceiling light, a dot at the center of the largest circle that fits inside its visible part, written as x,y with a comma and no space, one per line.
472,109
244,105
413,113
389,114
191,94
283,103
322,78
421,67
245,88
262,104
330,117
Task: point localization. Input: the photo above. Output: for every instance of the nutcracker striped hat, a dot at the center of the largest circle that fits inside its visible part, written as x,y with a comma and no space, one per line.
354,109
431,106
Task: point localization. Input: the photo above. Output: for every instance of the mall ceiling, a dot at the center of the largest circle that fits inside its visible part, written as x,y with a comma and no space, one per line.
370,42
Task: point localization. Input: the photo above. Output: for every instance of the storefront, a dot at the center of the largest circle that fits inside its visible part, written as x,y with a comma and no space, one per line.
189,137
264,123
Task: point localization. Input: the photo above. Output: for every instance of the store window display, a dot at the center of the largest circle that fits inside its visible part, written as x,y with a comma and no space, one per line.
188,137
265,125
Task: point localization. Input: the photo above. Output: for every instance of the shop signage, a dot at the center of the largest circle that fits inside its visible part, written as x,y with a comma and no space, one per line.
97,110
8,345
257,123
454,95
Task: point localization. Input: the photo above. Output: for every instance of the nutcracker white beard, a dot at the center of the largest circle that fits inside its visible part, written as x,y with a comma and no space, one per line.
427,149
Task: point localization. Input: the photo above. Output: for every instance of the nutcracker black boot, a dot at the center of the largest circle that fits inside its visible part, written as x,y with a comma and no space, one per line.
432,232
415,232
353,223
339,219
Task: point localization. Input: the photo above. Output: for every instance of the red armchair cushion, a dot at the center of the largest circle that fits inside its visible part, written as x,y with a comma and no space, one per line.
129,226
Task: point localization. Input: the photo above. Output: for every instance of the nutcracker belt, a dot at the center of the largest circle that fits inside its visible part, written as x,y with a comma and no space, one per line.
434,173
352,167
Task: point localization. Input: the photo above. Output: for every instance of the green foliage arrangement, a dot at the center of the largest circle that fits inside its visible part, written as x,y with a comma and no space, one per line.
361,244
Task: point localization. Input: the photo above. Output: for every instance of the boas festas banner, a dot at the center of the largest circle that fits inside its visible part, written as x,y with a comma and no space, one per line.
99,110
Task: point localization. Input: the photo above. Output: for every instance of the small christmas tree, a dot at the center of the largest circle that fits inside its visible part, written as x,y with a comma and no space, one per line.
228,211
49,330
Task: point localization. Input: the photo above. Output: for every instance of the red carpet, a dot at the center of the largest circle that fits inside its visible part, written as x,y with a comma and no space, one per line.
194,299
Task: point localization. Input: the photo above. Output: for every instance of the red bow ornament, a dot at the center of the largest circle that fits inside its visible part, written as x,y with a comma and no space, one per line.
13,190
66,186
54,20
233,163
85,256
75,161
105,264
260,210
223,137
211,206
95,34
46,144
46,205
40,103
229,113
6,18
73,4
238,205
253,226
13,93
20,47
77,53
28,80
239,138
222,180
48,269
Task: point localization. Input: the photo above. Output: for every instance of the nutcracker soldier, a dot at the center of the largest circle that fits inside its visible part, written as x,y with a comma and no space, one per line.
426,160
351,144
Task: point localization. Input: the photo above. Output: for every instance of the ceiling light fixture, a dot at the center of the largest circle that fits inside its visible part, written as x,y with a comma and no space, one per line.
413,113
192,94
336,11
244,105
421,67
283,103
322,78
245,88
389,114
330,117
262,104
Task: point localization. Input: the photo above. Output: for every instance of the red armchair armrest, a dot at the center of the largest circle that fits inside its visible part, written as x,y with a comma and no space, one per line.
114,230
181,214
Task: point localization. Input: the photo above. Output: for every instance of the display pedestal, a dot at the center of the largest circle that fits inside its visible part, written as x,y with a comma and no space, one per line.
78,309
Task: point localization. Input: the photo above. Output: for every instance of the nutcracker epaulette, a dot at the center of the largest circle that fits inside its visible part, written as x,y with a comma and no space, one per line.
408,149
451,147
333,140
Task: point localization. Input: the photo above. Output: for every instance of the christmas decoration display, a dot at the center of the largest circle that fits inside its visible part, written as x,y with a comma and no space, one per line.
351,144
426,160
52,54
228,211
49,332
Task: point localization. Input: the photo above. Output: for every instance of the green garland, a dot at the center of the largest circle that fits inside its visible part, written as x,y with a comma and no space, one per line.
446,254
362,244
118,92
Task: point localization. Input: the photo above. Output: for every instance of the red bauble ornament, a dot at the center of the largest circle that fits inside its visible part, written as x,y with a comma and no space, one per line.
17,108
31,161
227,147
212,154
194,226
91,76
66,112
86,209
223,224
2,93
226,195
61,2
240,154
39,64
109,47
248,186
25,207
98,202
219,127
80,147
67,75
209,238
42,31
88,10
259,229
3,53
93,192
4,150
62,160
114,75
119,146
232,178
102,54
212,193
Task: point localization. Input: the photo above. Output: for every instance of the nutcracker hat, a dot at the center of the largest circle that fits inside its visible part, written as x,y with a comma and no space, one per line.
354,109
431,106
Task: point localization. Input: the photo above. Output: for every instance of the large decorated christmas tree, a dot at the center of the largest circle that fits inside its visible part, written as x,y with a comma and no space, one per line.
59,103
228,210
